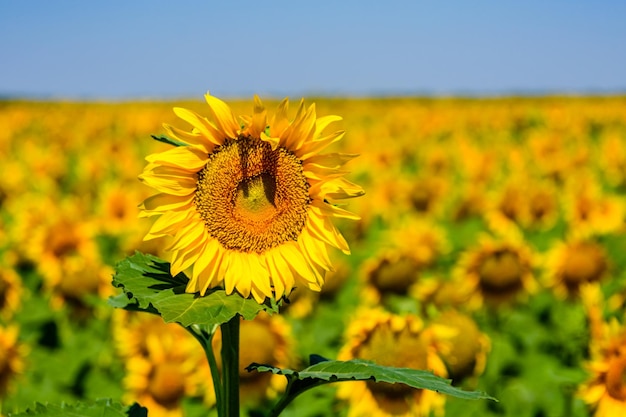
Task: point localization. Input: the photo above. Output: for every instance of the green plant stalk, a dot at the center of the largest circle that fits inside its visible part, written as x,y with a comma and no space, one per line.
230,367
206,338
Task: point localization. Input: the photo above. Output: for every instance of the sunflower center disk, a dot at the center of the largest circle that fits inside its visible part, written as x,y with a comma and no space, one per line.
255,198
252,198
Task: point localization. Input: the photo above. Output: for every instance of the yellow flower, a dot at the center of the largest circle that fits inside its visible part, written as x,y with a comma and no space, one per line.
10,292
574,262
496,271
164,364
605,391
589,211
250,205
12,355
467,355
265,340
391,340
405,253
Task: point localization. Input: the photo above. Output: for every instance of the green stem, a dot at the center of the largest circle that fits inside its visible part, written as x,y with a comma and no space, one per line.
205,338
230,367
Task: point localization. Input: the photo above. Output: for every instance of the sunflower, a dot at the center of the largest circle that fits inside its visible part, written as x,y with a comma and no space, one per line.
250,205
605,391
574,262
467,355
12,355
589,210
265,340
163,364
496,271
391,340
405,253
10,292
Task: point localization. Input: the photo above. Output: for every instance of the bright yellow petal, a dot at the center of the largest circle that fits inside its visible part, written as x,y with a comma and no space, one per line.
211,134
316,146
279,121
169,180
169,223
224,117
329,210
193,138
181,260
321,228
162,203
182,157
297,263
189,235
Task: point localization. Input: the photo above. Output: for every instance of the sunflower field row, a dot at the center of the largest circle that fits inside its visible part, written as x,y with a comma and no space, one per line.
491,250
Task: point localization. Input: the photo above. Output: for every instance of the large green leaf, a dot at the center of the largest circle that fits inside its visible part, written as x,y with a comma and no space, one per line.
100,408
327,371
147,285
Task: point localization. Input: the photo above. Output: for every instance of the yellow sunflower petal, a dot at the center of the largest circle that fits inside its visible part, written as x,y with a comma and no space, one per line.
161,203
209,132
182,157
224,117
314,147
169,180
323,229
280,122
169,223
189,235
184,259
193,138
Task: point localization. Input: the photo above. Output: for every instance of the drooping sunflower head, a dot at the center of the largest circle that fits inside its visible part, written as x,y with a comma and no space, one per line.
249,204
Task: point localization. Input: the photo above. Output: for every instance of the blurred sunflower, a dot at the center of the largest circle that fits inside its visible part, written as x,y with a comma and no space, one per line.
542,206
250,205
10,292
574,262
496,271
605,390
588,210
391,340
163,364
55,232
266,340
12,355
505,208
612,158
407,251
467,356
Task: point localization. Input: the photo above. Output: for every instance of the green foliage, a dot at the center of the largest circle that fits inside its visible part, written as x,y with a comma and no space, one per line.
147,285
100,408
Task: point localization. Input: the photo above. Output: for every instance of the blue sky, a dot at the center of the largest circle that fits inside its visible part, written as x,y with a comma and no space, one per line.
171,49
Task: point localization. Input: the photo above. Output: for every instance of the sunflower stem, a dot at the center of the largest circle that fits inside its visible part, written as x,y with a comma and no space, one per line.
206,338
230,367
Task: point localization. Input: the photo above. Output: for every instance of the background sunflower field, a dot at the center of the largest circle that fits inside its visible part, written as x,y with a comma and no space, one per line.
492,230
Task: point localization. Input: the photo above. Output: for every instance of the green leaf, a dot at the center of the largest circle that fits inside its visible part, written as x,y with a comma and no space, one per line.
99,408
169,141
323,372
148,286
